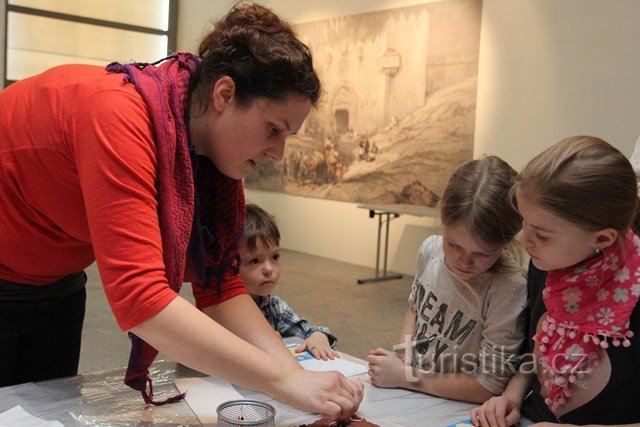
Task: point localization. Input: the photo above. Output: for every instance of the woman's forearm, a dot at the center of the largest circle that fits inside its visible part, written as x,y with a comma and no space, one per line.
241,316
190,337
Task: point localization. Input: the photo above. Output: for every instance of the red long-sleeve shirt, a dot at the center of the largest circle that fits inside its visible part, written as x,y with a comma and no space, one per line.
78,183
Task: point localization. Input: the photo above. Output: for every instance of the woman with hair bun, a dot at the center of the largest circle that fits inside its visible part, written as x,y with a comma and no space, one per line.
139,167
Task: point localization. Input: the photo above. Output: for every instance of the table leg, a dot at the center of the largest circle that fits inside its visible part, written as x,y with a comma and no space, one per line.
385,276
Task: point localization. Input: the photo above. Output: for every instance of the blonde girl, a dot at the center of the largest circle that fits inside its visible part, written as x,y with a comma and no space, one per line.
463,327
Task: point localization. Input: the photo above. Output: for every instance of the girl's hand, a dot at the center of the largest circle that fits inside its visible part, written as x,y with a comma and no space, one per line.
386,369
329,393
497,411
318,345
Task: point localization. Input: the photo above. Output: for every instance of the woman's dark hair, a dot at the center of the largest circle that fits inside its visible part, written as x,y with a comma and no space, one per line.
260,52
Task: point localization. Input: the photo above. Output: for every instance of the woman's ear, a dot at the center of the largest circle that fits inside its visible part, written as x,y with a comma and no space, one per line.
223,93
605,238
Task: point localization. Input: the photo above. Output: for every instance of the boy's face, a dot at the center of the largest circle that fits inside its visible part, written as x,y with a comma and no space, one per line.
260,268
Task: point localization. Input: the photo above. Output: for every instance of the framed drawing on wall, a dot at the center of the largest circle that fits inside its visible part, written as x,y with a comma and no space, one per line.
398,111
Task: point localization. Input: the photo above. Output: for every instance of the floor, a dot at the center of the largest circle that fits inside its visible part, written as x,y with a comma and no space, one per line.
324,291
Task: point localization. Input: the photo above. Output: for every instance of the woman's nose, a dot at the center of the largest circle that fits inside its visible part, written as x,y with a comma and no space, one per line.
276,152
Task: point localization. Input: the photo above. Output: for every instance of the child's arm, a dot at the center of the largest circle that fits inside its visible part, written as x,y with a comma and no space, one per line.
408,325
504,410
407,334
318,345
318,340
387,370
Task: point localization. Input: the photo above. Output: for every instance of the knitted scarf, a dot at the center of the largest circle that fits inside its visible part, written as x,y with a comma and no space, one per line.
588,306
200,210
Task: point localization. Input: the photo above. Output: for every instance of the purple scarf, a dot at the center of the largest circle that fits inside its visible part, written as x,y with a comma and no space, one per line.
202,227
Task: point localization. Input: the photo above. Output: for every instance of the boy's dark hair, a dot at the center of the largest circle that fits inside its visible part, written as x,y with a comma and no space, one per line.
260,52
259,224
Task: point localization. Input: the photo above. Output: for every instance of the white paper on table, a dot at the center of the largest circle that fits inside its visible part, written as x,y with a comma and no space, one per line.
18,417
310,363
345,367
205,394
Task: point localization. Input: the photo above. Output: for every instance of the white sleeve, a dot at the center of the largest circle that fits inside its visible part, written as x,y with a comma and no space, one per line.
503,333
426,251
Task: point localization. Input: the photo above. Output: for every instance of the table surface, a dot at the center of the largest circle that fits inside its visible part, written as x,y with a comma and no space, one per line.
100,399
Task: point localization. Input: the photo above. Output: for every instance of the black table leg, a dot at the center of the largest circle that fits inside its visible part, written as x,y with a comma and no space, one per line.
384,276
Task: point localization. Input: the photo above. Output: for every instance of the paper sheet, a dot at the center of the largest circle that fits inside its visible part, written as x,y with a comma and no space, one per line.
18,417
310,363
461,423
345,367
205,394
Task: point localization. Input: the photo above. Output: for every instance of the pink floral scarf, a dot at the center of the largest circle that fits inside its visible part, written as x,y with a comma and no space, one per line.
588,306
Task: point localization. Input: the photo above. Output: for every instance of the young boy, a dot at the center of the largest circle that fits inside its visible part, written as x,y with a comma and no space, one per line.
260,271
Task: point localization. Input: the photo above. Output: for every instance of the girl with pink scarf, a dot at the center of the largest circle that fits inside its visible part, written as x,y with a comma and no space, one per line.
579,204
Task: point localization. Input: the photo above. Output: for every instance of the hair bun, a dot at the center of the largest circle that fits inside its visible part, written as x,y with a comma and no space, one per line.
253,17
260,52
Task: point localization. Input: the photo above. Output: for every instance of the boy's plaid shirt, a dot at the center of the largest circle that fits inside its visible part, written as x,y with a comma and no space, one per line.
287,323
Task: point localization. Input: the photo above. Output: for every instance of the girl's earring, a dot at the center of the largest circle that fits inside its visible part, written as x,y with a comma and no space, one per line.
598,251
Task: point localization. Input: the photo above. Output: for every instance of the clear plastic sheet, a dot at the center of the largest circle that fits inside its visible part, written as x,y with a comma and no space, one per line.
101,399
385,407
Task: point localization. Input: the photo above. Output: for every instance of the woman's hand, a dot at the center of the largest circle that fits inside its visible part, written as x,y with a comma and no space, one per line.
318,345
386,369
329,393
497,411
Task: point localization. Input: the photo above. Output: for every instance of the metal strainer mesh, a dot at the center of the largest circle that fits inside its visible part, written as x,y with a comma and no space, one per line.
246,413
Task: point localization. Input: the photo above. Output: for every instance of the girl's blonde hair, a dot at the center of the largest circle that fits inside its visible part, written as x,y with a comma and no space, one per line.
585,181
478,198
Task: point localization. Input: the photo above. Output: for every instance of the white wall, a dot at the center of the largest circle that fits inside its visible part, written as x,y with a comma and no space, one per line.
551,69
548,69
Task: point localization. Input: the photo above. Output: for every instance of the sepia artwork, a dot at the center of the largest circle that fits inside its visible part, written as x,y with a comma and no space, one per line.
398,110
